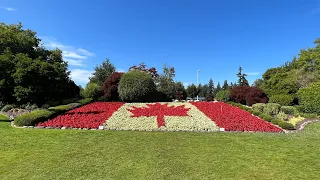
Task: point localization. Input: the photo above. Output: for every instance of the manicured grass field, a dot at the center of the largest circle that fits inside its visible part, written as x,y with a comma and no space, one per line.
80,154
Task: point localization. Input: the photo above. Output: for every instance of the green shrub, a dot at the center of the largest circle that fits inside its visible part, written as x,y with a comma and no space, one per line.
136,86
309,115
272,108
275,121
92,90
250,111
7,107
309,98
74,105
33,117
282,99
258,107
256,113
4,117
285,125
266,117
289,110
223,95
85,101
282,116
60,109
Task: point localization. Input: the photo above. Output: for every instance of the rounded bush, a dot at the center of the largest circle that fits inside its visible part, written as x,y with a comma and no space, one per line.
290,110
286,125
223,95
259,107
136,86
256,113
282,99
33,118
272,108
266,117
248,95
309,98
275,121
92,90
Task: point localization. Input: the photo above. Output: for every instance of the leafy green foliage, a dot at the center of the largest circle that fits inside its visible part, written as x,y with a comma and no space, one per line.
28,71
282,99
282,116
256,113
223,95
285,125
266,117
102,72
85,101
309,98
272,108
136,86
192,91
180,91
290,110
258,106
92,90
165,83
288,79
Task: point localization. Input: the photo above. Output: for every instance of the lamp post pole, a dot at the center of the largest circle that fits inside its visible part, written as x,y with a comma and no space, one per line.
198,83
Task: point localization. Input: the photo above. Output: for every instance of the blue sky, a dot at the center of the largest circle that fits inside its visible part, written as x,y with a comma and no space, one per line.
215,37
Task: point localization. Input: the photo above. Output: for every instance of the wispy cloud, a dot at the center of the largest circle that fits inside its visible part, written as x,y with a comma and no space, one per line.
120,70
252,73
8,8
74,56
81,76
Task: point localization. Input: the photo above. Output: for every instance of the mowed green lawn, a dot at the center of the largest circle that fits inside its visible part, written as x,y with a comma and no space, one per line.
80,154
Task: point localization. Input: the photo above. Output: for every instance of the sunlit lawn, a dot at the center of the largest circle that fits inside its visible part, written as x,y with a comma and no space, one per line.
80,154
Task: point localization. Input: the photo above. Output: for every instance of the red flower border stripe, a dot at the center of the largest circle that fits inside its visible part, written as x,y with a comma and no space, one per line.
90,116
233,118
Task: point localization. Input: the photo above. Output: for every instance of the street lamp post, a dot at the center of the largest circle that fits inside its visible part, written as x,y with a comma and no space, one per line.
198,83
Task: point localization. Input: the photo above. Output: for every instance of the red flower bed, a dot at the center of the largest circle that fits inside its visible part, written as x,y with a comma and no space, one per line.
89,116
233,118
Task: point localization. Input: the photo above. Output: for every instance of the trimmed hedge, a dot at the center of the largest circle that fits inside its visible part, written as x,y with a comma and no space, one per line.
37,116
266,117
33,117
85,101
272,108
4,117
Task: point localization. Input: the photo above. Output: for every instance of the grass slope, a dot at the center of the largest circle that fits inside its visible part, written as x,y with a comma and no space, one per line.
75,154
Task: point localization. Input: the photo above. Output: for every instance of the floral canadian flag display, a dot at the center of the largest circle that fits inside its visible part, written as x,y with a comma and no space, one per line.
199,116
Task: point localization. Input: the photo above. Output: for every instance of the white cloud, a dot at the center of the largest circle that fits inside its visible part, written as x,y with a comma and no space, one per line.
80,76
74,56
120,70
9,8
186,84
252,73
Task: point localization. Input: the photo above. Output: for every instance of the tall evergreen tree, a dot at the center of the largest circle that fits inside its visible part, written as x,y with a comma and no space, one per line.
225,85
102,72
211,86
218,88
242,78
